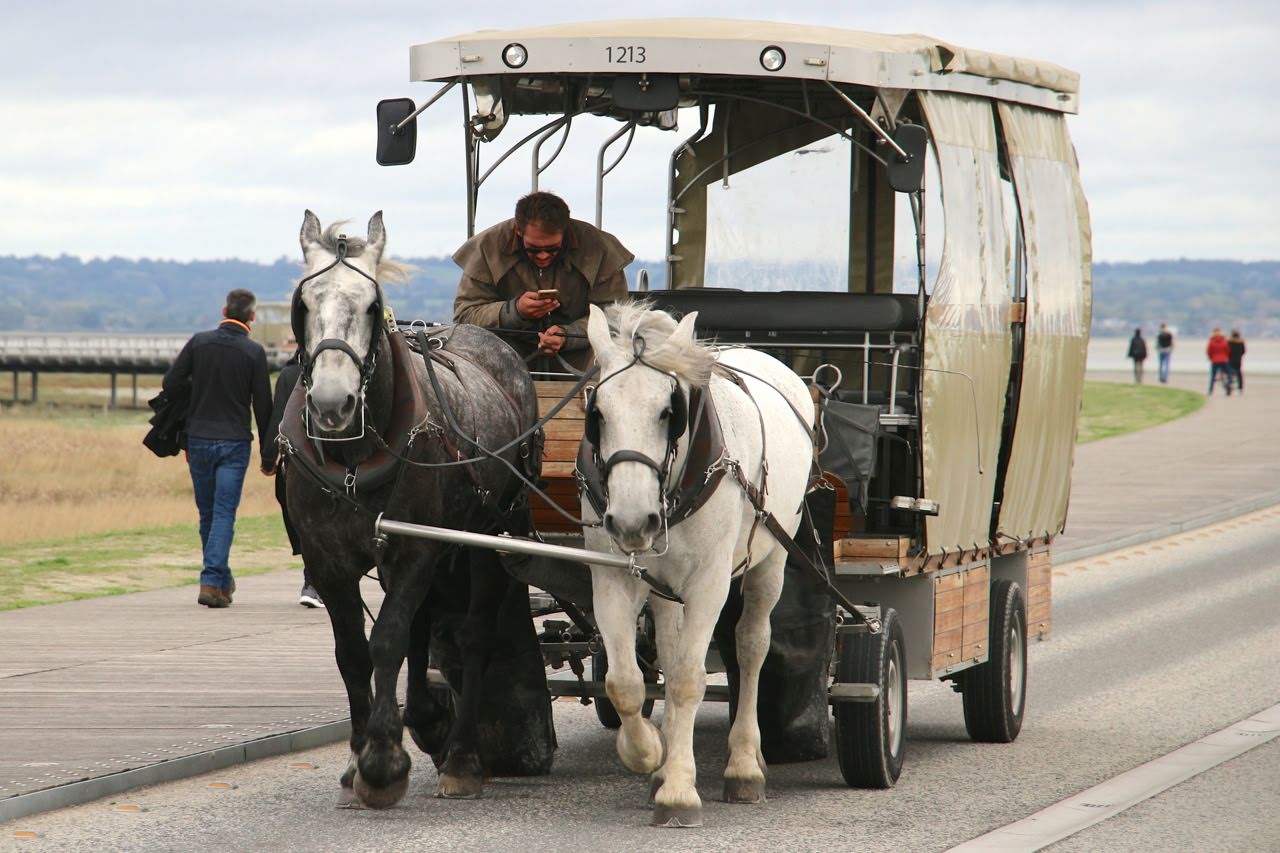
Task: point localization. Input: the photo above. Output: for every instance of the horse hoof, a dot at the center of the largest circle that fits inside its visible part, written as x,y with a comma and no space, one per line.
460,787
633,760
347,799
673,817
744,791
380,798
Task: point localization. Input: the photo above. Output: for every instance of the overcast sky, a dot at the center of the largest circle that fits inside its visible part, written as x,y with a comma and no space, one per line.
182,131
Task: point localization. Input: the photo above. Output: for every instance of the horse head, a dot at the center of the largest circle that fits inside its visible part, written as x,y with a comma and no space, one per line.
337,317
638,412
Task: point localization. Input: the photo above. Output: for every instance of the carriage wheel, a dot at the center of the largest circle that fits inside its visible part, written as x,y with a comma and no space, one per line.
995,692
870,735
605,712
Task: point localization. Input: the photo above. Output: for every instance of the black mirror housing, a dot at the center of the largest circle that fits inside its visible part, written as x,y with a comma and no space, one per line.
906,175
397,145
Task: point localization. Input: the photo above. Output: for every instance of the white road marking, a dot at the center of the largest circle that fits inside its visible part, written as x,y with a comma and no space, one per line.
1109,798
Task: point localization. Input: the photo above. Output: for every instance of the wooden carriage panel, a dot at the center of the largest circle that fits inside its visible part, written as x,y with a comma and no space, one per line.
559,455
977,612
948,620
1039,593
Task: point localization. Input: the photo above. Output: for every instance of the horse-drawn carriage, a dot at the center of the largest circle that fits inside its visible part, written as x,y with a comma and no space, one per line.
944,370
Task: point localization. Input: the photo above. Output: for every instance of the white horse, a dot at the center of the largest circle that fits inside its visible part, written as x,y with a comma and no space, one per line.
641,419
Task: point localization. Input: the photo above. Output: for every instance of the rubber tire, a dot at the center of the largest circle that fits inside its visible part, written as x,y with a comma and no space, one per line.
995,692
605,712
871,736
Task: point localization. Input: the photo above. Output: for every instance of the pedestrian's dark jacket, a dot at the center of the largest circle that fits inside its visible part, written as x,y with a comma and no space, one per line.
228,375
167,435
1235,346
1164,340
1137,348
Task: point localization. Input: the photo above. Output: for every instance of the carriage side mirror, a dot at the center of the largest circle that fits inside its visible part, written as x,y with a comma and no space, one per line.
906,175
397,144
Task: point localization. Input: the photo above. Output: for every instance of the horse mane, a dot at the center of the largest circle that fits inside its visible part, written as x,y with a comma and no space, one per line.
389,271
690,359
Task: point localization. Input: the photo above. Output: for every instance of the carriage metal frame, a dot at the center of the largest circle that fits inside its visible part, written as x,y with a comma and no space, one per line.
977,372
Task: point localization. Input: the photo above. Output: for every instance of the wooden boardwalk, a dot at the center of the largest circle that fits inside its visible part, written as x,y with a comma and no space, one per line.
93,688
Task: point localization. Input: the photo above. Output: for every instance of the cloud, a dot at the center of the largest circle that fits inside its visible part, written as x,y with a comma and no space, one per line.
152,129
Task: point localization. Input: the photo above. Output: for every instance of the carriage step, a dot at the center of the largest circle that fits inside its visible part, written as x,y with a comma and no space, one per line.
853,693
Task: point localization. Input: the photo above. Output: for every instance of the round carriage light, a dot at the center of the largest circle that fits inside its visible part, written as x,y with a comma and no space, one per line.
773,58
515,55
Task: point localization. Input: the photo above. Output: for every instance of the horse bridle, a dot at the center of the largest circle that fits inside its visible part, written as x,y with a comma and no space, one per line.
297,318
678,421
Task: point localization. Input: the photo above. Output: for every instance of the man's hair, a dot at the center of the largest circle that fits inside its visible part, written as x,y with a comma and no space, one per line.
240,304
546,210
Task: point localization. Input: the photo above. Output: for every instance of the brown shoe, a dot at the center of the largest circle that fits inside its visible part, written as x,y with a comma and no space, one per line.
211,596
229,591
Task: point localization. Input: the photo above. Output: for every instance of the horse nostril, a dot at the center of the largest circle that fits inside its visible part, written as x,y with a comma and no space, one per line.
349,405
609,526
652,523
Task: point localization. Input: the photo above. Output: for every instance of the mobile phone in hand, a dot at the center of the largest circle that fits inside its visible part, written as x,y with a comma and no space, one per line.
547,294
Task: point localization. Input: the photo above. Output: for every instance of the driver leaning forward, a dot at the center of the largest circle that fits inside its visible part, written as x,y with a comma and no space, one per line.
574,264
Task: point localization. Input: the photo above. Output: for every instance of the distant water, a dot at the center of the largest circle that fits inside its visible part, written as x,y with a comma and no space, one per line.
1262,356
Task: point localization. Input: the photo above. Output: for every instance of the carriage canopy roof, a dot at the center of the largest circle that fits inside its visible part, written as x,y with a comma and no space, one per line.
732,47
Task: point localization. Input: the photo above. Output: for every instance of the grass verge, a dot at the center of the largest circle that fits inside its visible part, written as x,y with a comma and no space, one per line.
1113,408
53,571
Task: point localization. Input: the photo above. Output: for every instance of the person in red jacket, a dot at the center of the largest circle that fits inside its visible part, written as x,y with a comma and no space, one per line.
1219,352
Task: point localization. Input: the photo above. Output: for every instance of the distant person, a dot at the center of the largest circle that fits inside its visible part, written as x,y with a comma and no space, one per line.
285,383
1219,353
1235,344
537,273
1137,352
1164,349
228,375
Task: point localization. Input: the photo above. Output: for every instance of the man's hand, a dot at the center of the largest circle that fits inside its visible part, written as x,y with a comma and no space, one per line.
550,341
534,307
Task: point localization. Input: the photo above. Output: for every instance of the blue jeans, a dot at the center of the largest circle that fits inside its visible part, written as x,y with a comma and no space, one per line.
1223,370
217,473
1164,364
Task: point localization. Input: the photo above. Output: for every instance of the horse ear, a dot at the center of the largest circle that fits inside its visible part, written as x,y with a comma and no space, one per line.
377,234
309,237
598,333
687,327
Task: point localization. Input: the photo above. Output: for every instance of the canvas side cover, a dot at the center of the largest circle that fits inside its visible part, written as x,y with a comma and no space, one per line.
968,343
1055,224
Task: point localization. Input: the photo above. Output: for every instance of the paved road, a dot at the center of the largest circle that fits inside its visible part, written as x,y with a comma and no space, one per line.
91,689
1154,647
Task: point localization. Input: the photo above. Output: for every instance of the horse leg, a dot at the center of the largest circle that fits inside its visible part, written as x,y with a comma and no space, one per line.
382,775
744,775
428,713
617,603
686,636
346,616
462,773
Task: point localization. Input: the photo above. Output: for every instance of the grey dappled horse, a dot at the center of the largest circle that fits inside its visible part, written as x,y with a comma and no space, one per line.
359,434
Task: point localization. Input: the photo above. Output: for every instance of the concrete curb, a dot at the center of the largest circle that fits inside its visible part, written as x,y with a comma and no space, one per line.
1232,511
87,790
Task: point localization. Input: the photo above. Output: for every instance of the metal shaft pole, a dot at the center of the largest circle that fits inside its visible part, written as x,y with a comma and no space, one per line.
502,543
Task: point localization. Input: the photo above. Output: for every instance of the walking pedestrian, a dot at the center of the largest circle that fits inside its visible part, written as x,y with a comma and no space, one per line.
1164,349
1137,352
1219,353
285,383
227,373
1235,344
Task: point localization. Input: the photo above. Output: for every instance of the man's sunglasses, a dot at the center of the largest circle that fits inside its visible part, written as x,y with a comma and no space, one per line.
534,251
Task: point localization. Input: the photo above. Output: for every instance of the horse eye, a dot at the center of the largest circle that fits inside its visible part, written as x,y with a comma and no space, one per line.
666,413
